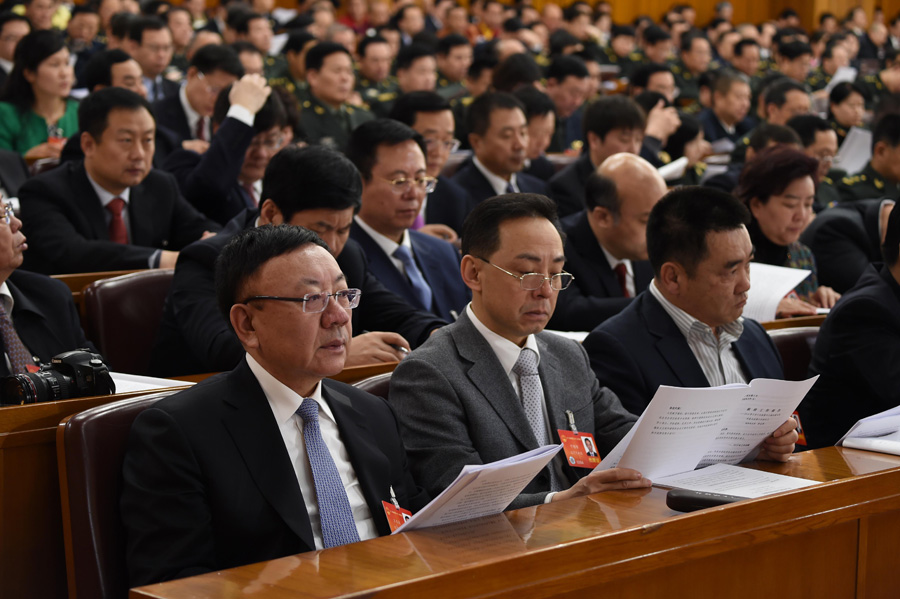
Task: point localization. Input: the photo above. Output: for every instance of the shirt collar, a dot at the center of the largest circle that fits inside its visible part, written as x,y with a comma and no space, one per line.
192,115
613,261
6,65
506,351
389,246
6,298
283,400
105,196
498,183
687,323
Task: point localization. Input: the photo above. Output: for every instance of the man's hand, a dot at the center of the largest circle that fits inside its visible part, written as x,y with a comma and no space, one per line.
614,479
440,231
208,234
44,150
825,297
167,259
251,92
372,348
791,306
779,446
662,122
195,145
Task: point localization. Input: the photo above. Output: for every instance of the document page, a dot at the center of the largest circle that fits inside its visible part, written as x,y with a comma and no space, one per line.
855,152
876,425
768,285
482,490
733,480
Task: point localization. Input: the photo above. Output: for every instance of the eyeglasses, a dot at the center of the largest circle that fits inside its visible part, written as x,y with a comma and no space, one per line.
8,214
403,185
535,280
449,146
159,48
314,303
214,91
270,144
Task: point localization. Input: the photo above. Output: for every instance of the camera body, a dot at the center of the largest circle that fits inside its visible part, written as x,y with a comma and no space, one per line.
77,373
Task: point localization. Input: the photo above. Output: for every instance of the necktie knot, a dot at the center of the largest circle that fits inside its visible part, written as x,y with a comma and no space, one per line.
308,410
116,206
526,365
510,188
18,354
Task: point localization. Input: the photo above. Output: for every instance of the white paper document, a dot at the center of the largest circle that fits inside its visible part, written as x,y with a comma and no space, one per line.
768,286
129,383
878,432
733,480
482,490
687,428
722,146
855,152
673,170
841,75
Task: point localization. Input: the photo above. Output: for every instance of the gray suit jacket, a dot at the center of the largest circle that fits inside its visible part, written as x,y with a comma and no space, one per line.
456,406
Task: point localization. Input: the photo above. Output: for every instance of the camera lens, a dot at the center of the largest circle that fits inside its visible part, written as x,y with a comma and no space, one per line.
45,385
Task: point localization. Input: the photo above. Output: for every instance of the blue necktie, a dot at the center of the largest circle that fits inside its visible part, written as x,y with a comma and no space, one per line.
510,188
338,526
419,285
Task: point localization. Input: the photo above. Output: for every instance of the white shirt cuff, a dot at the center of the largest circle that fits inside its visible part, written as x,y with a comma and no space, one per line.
242,114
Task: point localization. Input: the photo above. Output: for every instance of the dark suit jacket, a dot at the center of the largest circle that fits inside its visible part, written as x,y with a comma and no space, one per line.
209,485
567,186
713,129
209,181
170,114
595,295
641,348
845,239
449,204
439,263
470,178
194,337
456,406
541,167
67,230
13,171
44,316
856,355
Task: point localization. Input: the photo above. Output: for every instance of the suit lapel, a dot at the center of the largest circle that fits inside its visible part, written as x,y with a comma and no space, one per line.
431,269
381,266
586,243
141,216
671,344
255,433
88,203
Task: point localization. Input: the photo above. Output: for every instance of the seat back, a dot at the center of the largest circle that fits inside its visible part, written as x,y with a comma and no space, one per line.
122,317
91,449
378,385
795,345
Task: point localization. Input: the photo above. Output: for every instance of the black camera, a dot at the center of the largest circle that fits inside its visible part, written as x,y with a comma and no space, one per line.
77,373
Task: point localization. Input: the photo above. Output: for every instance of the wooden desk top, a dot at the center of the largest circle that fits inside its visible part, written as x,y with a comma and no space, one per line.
610,535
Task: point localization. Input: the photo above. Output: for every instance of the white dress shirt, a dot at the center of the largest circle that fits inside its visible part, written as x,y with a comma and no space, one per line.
284,404
629,271
193,117
498,183
387,245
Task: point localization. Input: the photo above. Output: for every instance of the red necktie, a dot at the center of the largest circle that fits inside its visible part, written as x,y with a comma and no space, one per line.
201,128
248,187
622,275
117,231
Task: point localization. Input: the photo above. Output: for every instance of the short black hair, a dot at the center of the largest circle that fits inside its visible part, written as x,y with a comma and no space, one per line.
120,24
560,40
647,100
326,177
448,42
515,71
9,17
98,70
83,9
844,90
612,112
141,24
793,49
825,16
654,34
318,53
777,92
407,106
481,229
766,133
247,251
479,65
536,102
567,66
272,114
216,57
742,44
296,41
410,54
478,118
680,221
364,43
242,46
725,78
887,130
362,147
687,40
601,191
642,74
242,23
806,126
620,31
93,112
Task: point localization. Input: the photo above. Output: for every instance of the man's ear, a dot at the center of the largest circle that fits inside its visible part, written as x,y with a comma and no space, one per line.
470,269
269,213
671,278
242,324
88,143
602,217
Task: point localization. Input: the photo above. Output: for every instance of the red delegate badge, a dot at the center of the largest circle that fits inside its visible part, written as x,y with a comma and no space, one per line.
396,516
581,449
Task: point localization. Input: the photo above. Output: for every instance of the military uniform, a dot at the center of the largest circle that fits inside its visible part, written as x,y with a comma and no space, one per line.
331,127
450,89
689,91
460,107
283,78
874,89
274,66
827,193
818,79
376,91
626,65
839,130
868,184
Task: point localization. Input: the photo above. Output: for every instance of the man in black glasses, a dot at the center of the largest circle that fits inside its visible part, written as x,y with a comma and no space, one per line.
272,458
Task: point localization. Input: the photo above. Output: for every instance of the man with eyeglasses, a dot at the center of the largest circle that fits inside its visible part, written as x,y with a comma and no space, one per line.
150,43
419,268
431,116
272,458
188,113
820,141
492,384
247,131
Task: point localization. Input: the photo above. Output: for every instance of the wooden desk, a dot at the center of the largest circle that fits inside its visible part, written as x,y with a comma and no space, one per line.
32,557
833,540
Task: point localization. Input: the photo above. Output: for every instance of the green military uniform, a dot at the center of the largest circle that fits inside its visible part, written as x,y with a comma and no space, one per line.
818,79
874,89
689,91
274,66
331,127
376,91
840,130
868,184
450,89
827,194
283,78
608,57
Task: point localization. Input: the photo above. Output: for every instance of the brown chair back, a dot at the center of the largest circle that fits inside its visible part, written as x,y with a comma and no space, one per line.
378,385
91,449
122,317
795,346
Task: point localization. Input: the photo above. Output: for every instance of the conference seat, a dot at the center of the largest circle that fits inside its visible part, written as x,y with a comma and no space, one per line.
122,316
795,344
90,447
378,385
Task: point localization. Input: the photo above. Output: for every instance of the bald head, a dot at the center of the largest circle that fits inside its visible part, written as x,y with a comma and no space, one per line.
619,198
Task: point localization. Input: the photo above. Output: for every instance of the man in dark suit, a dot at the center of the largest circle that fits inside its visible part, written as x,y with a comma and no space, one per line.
727,118
112,211
498,134
194,338
493,385
188,113
845,239
612,124
13,173
420,268
432,117
606,244
247,123
857,351
13,27
686,330
150,43
271,459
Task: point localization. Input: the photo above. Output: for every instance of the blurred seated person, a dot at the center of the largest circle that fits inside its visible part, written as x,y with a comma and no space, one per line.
778,186
763,136
36,112
881,176
113,211
540,112
820,142
730,105
857,350
653,77
13,28
846,108
688,141
248,129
